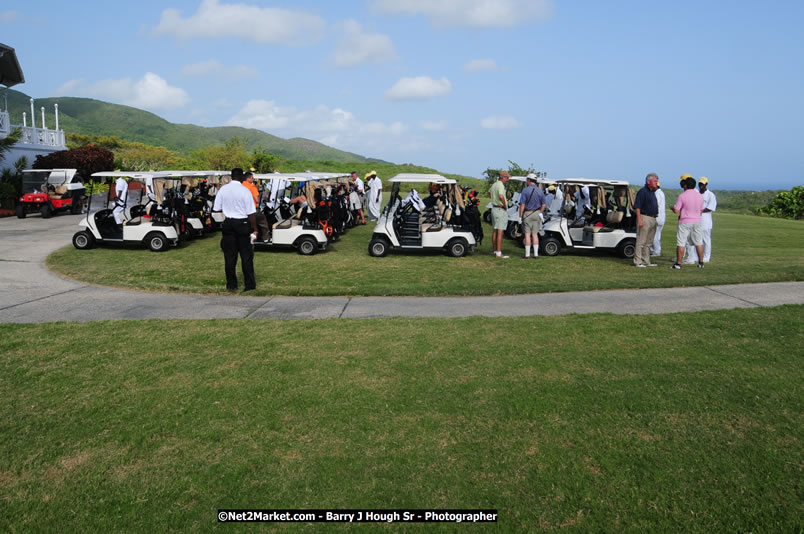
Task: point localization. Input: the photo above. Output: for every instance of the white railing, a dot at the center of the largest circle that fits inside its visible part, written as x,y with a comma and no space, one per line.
41,136
5,124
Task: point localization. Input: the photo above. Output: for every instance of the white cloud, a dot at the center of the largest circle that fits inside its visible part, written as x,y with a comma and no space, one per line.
150,92
7,17
418,88
215,69
499,122
358,47
482,65
335,127
433,126
266,25
476,13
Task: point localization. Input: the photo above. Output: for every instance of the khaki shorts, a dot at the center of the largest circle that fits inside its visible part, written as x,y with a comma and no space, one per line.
531,222
689,234
499,218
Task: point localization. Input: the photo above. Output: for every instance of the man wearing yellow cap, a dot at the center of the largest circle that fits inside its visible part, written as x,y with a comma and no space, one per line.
710,205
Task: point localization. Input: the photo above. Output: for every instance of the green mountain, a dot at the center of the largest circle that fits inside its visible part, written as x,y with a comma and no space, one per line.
94,117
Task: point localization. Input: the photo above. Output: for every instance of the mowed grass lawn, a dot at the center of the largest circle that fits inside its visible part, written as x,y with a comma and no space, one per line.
746,249
668,423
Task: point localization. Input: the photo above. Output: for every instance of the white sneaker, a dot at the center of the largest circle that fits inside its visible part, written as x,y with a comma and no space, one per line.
641,265
653,265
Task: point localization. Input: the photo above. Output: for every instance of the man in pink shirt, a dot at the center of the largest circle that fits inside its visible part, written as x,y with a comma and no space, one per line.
689,206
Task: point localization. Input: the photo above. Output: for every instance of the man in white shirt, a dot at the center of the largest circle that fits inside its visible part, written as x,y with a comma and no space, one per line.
120,198
583,202
375,196
237,204
549,197
656,248
710,205
360,193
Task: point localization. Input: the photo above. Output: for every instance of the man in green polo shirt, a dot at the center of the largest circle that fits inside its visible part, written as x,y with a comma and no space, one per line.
499,213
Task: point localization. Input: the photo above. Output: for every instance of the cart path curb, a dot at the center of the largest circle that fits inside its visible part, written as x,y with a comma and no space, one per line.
754,304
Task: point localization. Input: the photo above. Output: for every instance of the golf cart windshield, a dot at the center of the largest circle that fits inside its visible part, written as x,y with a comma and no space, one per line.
40,180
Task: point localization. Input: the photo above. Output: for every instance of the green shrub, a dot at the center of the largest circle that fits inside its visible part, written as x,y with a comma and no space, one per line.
787,204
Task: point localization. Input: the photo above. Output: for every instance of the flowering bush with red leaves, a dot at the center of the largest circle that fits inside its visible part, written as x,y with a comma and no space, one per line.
86,159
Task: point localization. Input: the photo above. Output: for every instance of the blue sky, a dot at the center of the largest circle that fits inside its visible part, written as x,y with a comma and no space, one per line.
604,89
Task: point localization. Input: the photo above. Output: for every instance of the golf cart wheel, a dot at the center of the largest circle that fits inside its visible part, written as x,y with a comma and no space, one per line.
627,248
306,246
457,247
487,216
550,246
45,211
157,242
83,240
378,247
514,231
21,211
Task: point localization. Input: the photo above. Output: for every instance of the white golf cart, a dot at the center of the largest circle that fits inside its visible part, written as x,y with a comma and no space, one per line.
292,224
49,191
608,223
406,223
157,231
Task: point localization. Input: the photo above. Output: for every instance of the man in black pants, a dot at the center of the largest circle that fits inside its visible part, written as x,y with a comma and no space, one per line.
239,230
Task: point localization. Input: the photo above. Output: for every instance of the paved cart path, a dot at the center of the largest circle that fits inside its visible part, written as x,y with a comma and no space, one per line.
30,293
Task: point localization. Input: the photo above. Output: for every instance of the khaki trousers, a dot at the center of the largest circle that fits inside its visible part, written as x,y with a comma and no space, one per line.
645,235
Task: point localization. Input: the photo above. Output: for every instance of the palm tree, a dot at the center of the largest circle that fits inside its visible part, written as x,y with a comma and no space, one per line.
8,142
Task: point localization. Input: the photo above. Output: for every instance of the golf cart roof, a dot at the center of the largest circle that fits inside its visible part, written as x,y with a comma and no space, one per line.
136,176
324,175
591,181
519,178
422,178
184,173
290,176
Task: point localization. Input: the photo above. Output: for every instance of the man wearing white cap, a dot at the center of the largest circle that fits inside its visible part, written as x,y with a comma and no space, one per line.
710,205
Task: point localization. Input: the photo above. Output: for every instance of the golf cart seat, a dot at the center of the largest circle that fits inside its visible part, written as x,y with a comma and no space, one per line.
614,217
132,214
431,227
58,192
287,223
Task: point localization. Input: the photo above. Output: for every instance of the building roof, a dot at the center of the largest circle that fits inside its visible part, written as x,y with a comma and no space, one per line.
10,71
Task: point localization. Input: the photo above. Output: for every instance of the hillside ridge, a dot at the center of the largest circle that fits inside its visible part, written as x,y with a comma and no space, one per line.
95,117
